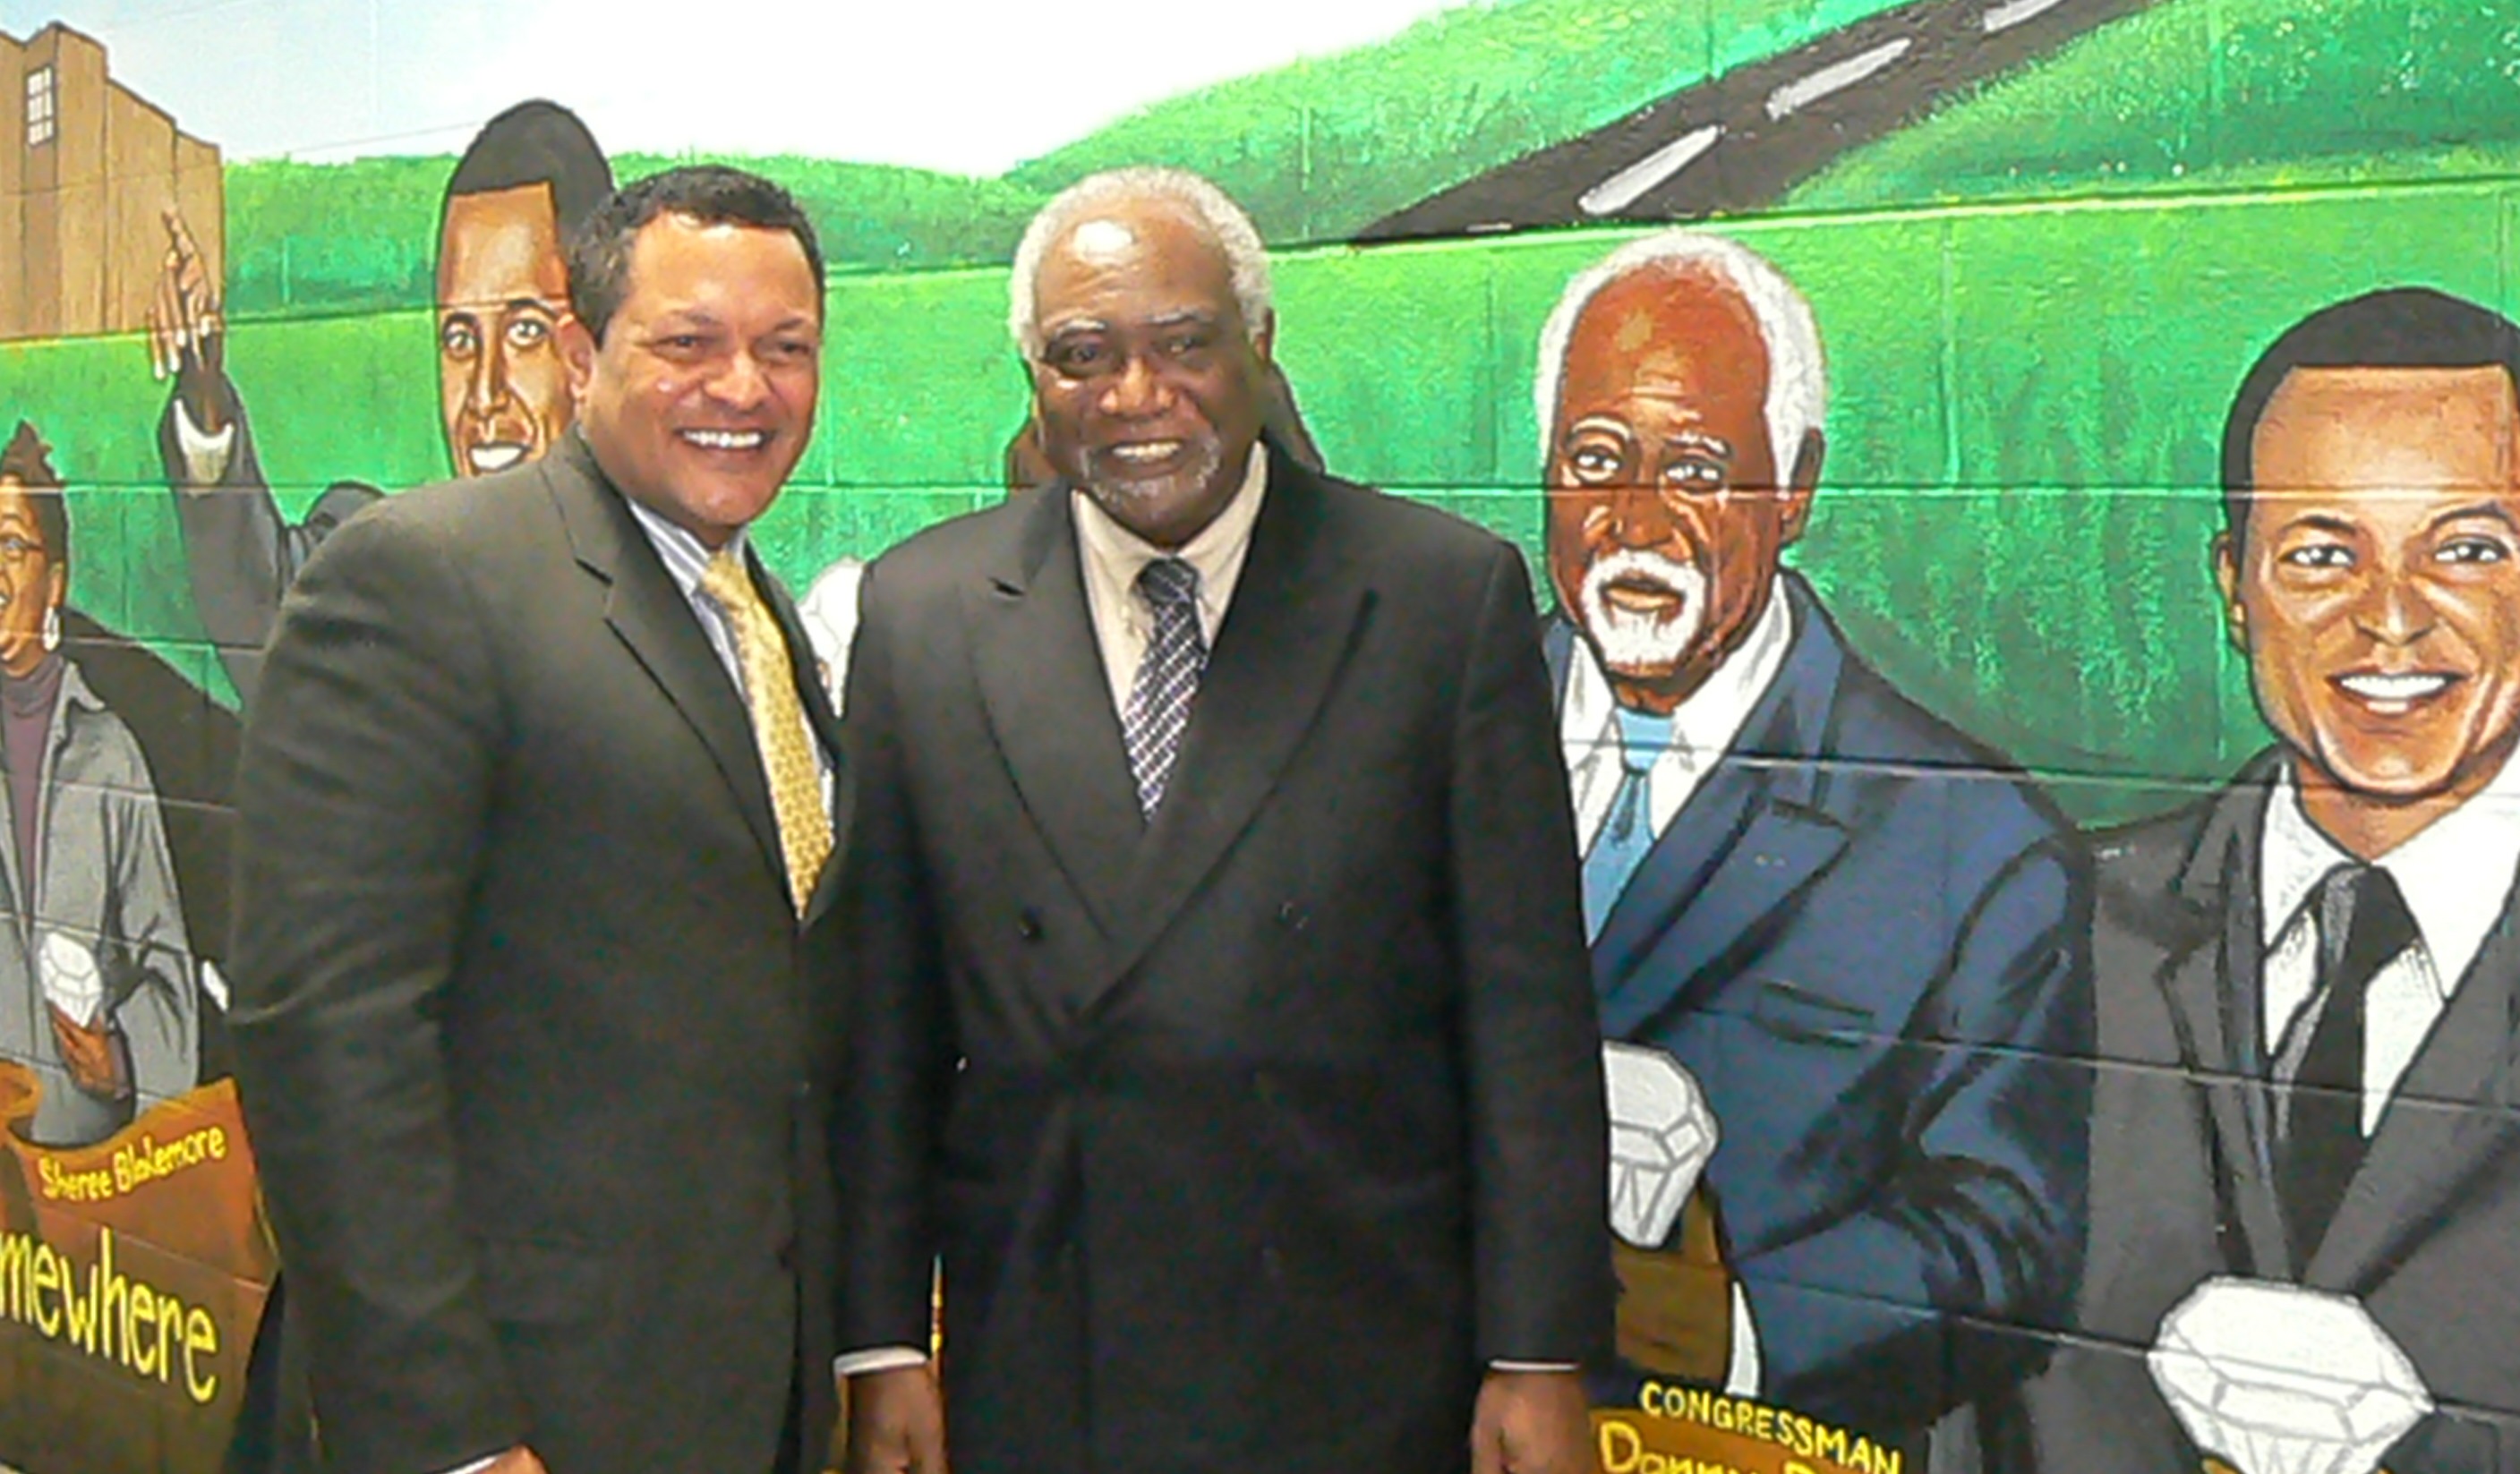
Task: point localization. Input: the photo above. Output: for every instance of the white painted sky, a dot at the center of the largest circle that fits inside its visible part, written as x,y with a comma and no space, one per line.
972,86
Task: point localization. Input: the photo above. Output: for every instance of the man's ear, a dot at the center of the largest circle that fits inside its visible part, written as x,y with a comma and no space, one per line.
576,353
1801,485
2226,578
1264,338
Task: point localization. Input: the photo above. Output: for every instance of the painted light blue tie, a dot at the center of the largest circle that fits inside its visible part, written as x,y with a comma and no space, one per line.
1167,681
1628,832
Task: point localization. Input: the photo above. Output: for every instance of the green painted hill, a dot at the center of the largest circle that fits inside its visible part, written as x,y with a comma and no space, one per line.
361,235
1318,150
2215,94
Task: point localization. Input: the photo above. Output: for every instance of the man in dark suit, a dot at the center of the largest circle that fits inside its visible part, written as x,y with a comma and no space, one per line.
2309,980
1856,933
1223,1021
534,986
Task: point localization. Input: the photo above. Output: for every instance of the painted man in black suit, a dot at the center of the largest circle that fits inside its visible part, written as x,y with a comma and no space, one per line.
1225,1024
534,983
2302,1142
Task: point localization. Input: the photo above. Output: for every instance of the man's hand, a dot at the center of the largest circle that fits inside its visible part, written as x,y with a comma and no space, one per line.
516,1461
94,1055
896,1422
1531,1422
186,332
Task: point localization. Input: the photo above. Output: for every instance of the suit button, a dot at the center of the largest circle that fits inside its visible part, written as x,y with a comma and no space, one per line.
1293,916
1273,1264
802,1089
787,1256
1028,924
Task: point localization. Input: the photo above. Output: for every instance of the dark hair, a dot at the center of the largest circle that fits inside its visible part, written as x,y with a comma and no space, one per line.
599,249
533,143
2399,328
28,461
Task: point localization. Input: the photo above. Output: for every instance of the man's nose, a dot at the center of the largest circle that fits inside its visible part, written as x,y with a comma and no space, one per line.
741,384
1137,390
1639,516
489,391
2394,608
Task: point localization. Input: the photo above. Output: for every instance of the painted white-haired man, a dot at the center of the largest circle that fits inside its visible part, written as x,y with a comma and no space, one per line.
1860,934
1222,1023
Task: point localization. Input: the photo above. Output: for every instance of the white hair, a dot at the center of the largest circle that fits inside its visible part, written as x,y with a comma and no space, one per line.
1223,221
1797,371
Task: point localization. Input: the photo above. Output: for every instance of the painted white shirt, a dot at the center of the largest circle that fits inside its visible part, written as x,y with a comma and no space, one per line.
2455,875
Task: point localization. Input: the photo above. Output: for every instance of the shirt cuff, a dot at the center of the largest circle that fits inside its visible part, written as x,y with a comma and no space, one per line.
205,463
857,1363
1533,1366
476,1465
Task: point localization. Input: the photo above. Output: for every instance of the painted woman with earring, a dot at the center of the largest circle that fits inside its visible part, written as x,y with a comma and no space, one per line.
96,991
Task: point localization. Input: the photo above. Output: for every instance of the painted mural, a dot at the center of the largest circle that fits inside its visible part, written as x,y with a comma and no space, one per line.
2026,500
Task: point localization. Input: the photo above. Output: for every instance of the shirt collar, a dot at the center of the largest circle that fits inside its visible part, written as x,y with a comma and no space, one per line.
1707,723
685,555
2455,874
1117,555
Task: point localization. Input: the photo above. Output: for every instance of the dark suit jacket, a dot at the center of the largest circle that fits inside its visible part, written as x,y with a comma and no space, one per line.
1865,936
1278,1119
2428,1237
532,1044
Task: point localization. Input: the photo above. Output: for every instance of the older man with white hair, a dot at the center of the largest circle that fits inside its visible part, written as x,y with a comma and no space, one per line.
1848,938
1222,1023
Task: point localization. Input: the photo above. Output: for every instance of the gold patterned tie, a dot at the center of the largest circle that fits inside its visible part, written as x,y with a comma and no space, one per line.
778,723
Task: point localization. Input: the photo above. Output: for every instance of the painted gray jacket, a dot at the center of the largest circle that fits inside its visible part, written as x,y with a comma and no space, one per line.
103,899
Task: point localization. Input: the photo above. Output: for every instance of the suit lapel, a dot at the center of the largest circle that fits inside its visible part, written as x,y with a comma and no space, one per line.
1042,681
1752,837
651,617
1277,657
2210,978
2450,1113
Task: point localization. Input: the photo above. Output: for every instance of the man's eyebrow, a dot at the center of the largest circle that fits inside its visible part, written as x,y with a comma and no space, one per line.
530,304
1193,315
2320,521
1609,423
2491,510
1720,448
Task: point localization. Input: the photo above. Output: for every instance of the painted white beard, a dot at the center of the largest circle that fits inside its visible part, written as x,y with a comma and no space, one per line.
1642,645
1112,494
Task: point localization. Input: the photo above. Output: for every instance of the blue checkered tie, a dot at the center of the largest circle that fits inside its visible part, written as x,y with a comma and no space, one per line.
1167,678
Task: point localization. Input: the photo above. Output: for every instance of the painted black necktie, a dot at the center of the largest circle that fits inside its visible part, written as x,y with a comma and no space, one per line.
2363,925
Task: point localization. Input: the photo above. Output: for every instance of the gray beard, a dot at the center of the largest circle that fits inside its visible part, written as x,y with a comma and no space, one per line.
1119,497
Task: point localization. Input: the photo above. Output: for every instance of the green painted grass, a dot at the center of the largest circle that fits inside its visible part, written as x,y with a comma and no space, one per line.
2017,498
1314,150
2219,94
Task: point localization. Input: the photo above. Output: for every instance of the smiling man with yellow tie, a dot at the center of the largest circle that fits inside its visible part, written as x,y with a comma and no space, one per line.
531,970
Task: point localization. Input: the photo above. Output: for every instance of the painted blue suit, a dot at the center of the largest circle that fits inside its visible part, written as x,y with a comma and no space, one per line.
1868,938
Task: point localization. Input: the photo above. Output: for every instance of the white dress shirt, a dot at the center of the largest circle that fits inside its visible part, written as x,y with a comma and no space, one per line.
1704,728
2455,875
